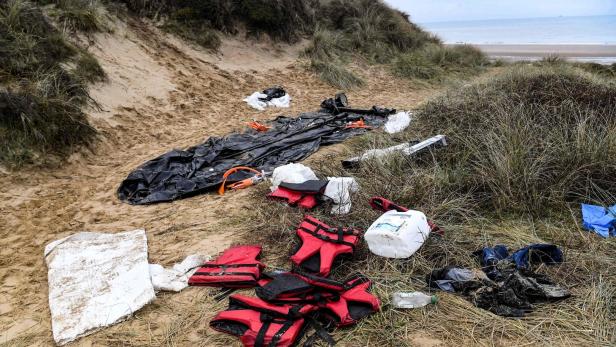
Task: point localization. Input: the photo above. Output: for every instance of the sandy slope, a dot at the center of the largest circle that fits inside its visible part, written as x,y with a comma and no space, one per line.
162,94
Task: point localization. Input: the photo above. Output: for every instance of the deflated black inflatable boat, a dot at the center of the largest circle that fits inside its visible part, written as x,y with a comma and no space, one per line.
183,173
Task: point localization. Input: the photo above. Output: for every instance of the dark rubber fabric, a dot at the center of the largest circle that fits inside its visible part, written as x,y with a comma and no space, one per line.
183,173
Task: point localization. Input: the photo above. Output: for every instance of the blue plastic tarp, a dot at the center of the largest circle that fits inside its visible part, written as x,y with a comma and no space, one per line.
599,219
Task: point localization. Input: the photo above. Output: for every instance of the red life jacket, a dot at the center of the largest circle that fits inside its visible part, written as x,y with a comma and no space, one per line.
258,323
237,267
355,302
321,245
303,195
294,198
341,304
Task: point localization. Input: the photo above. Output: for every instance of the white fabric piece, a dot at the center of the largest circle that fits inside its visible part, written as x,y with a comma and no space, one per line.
397,122
96,280
339,189
176,278
254,102
292,173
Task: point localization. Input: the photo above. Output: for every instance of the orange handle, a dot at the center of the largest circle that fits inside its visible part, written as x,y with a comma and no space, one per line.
221,190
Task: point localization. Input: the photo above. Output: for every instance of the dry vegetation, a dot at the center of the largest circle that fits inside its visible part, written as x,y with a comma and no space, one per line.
526,146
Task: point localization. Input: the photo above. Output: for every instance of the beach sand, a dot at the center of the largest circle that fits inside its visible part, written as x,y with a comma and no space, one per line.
605,54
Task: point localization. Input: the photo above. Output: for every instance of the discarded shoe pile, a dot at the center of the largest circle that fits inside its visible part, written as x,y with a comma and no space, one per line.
506,287
289,303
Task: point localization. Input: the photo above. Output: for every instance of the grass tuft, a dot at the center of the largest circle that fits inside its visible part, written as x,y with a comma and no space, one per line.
436,62
40,97
81,15
530,138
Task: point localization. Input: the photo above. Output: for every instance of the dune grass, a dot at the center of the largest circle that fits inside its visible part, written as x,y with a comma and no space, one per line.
525,147
534,137
203,21
41,96
438,62
375,33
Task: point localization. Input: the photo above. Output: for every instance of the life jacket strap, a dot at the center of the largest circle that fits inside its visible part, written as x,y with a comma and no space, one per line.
339,231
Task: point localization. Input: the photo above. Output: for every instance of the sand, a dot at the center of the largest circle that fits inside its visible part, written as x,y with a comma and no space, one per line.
598,53
162,94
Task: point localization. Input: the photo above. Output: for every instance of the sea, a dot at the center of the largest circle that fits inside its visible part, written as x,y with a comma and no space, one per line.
599,30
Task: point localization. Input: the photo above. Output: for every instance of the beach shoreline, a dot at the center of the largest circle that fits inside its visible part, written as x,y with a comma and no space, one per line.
604,54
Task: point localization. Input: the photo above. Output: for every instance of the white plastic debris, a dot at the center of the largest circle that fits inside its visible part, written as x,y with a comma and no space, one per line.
176,278
292,173
412,300
96,280
339,189
405,149
254,102
397,234
397,122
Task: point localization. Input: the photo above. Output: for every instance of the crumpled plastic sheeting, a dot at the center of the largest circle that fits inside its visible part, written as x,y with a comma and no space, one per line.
176,278
600,219
397,122
339,189
182,173
512,296
96,280
254,101
456,279
292,173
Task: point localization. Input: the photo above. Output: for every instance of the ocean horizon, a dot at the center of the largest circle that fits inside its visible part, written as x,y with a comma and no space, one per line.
591,30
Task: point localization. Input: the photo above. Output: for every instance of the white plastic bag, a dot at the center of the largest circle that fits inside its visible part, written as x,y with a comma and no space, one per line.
398,234
397,122
254,102
292,173
339,189
176,278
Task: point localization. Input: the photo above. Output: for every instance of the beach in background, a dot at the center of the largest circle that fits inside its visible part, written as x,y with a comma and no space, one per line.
591,39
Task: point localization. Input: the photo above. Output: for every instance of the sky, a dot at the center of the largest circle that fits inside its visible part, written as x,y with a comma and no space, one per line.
426,11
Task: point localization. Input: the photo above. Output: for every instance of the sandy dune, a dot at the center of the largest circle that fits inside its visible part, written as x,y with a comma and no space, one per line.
162,94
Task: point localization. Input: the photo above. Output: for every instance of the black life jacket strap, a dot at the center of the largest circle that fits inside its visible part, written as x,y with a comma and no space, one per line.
319,332
223,270
319,226
267,321
340,240
225,266
223,273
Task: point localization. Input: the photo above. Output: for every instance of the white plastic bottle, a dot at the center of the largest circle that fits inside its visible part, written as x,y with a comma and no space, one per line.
397,234
413,300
